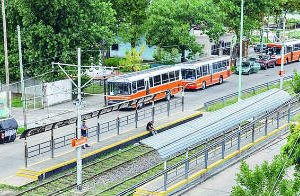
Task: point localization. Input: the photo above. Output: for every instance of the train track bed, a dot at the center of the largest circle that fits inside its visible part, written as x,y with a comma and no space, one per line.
61,183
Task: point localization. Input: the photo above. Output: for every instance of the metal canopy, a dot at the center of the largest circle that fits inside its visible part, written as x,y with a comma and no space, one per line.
179,138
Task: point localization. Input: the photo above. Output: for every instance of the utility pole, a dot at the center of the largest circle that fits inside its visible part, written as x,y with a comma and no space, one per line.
241,50
6,58
22,77
78,148
282,54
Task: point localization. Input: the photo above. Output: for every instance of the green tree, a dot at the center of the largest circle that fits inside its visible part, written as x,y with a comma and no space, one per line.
171,23
56,28
131,18
166,56
133,60
296,82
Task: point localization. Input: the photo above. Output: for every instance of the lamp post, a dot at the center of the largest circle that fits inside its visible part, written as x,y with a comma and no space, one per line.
282,55
241,50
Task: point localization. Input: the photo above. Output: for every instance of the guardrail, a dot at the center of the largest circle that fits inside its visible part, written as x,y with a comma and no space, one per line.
248,90
100,130
211,156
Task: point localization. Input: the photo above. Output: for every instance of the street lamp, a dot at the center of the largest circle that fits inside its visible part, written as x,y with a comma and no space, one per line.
241,50
281,72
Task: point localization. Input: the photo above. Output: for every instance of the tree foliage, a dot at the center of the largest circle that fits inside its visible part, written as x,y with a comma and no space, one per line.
55,28
296,82
133,60
131,18
171,23
166,56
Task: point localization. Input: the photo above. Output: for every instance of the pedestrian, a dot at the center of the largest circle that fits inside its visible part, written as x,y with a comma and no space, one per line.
150,127
84,130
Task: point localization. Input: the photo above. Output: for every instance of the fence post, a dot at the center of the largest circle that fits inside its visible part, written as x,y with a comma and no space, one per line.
277,120
253,90
223,100
239,138
168,107
266,126
118,125
289,113
205,155
136,115
268,86
165,176
52,144
25,152
187,164
182,99
253,129
206,106
153,110
223,146
98,132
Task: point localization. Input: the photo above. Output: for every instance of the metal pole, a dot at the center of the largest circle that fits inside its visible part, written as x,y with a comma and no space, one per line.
25,152
187,164
118,125
277,120
282,54
153,110
182,99
266,126
289,113
253,129
104,86
239,138
168,107
223,146
136,115
22,77
98,132
52,144
6,58
78,149
241,50
165,176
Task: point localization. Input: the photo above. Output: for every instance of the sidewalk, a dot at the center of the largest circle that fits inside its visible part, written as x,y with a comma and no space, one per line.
49,166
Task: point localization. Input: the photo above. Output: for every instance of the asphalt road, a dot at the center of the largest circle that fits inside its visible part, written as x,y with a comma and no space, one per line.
12,153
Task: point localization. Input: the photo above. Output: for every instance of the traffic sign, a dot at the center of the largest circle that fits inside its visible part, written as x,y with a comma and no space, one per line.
79,142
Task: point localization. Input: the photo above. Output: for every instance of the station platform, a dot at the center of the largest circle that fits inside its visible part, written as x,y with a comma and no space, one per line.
51,166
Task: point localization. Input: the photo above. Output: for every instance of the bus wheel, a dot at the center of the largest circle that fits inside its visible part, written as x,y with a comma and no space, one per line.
221,80
203,85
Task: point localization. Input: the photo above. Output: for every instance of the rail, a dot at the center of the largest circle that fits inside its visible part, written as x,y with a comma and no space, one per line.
248,90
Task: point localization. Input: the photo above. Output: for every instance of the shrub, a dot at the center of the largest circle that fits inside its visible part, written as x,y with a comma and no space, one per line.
113,62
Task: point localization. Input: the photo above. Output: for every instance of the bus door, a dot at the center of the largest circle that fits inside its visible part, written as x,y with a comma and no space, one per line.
147,86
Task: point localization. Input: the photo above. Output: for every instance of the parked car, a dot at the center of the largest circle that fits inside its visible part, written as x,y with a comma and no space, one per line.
8,130
257,48
266,62
249,67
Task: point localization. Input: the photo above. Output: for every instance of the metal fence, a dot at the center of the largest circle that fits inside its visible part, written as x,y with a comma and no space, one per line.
106,129
209,152
34,97
253,89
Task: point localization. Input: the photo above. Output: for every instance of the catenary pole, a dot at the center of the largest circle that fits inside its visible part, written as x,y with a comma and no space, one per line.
78,148
22,77
241,50
282,54
6,58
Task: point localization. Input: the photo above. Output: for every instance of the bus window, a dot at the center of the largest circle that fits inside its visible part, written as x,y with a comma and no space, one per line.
177,74
165,78
296,47
134,87
204,70
289,49
119,88
188,74
198,72
151,81
157,80
140,85
172,76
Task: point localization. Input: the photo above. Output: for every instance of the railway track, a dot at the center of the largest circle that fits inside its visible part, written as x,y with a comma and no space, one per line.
65,182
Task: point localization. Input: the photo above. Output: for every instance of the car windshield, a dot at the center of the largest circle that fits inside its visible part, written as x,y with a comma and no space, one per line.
245,64
118,88
188,74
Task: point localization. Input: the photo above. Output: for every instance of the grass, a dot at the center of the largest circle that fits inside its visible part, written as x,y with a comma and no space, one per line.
94,89
286,85
16,102
296,118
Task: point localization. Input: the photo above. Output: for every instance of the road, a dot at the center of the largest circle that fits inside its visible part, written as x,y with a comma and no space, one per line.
14,152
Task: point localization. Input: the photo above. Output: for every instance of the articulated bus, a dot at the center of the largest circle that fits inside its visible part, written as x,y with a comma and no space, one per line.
207,71
166,79
291,52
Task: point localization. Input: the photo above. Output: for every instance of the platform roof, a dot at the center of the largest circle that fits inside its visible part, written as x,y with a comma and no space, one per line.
179,138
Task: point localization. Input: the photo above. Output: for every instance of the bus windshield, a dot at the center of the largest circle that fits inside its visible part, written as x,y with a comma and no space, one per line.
118,88
188,74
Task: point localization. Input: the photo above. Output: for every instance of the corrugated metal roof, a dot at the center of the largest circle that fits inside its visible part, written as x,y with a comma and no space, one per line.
191,133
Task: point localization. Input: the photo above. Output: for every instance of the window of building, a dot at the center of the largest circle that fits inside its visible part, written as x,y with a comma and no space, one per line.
214,50
115,47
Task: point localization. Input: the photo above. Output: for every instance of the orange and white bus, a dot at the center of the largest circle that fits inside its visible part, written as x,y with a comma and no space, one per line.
165,79
291,52
205,72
